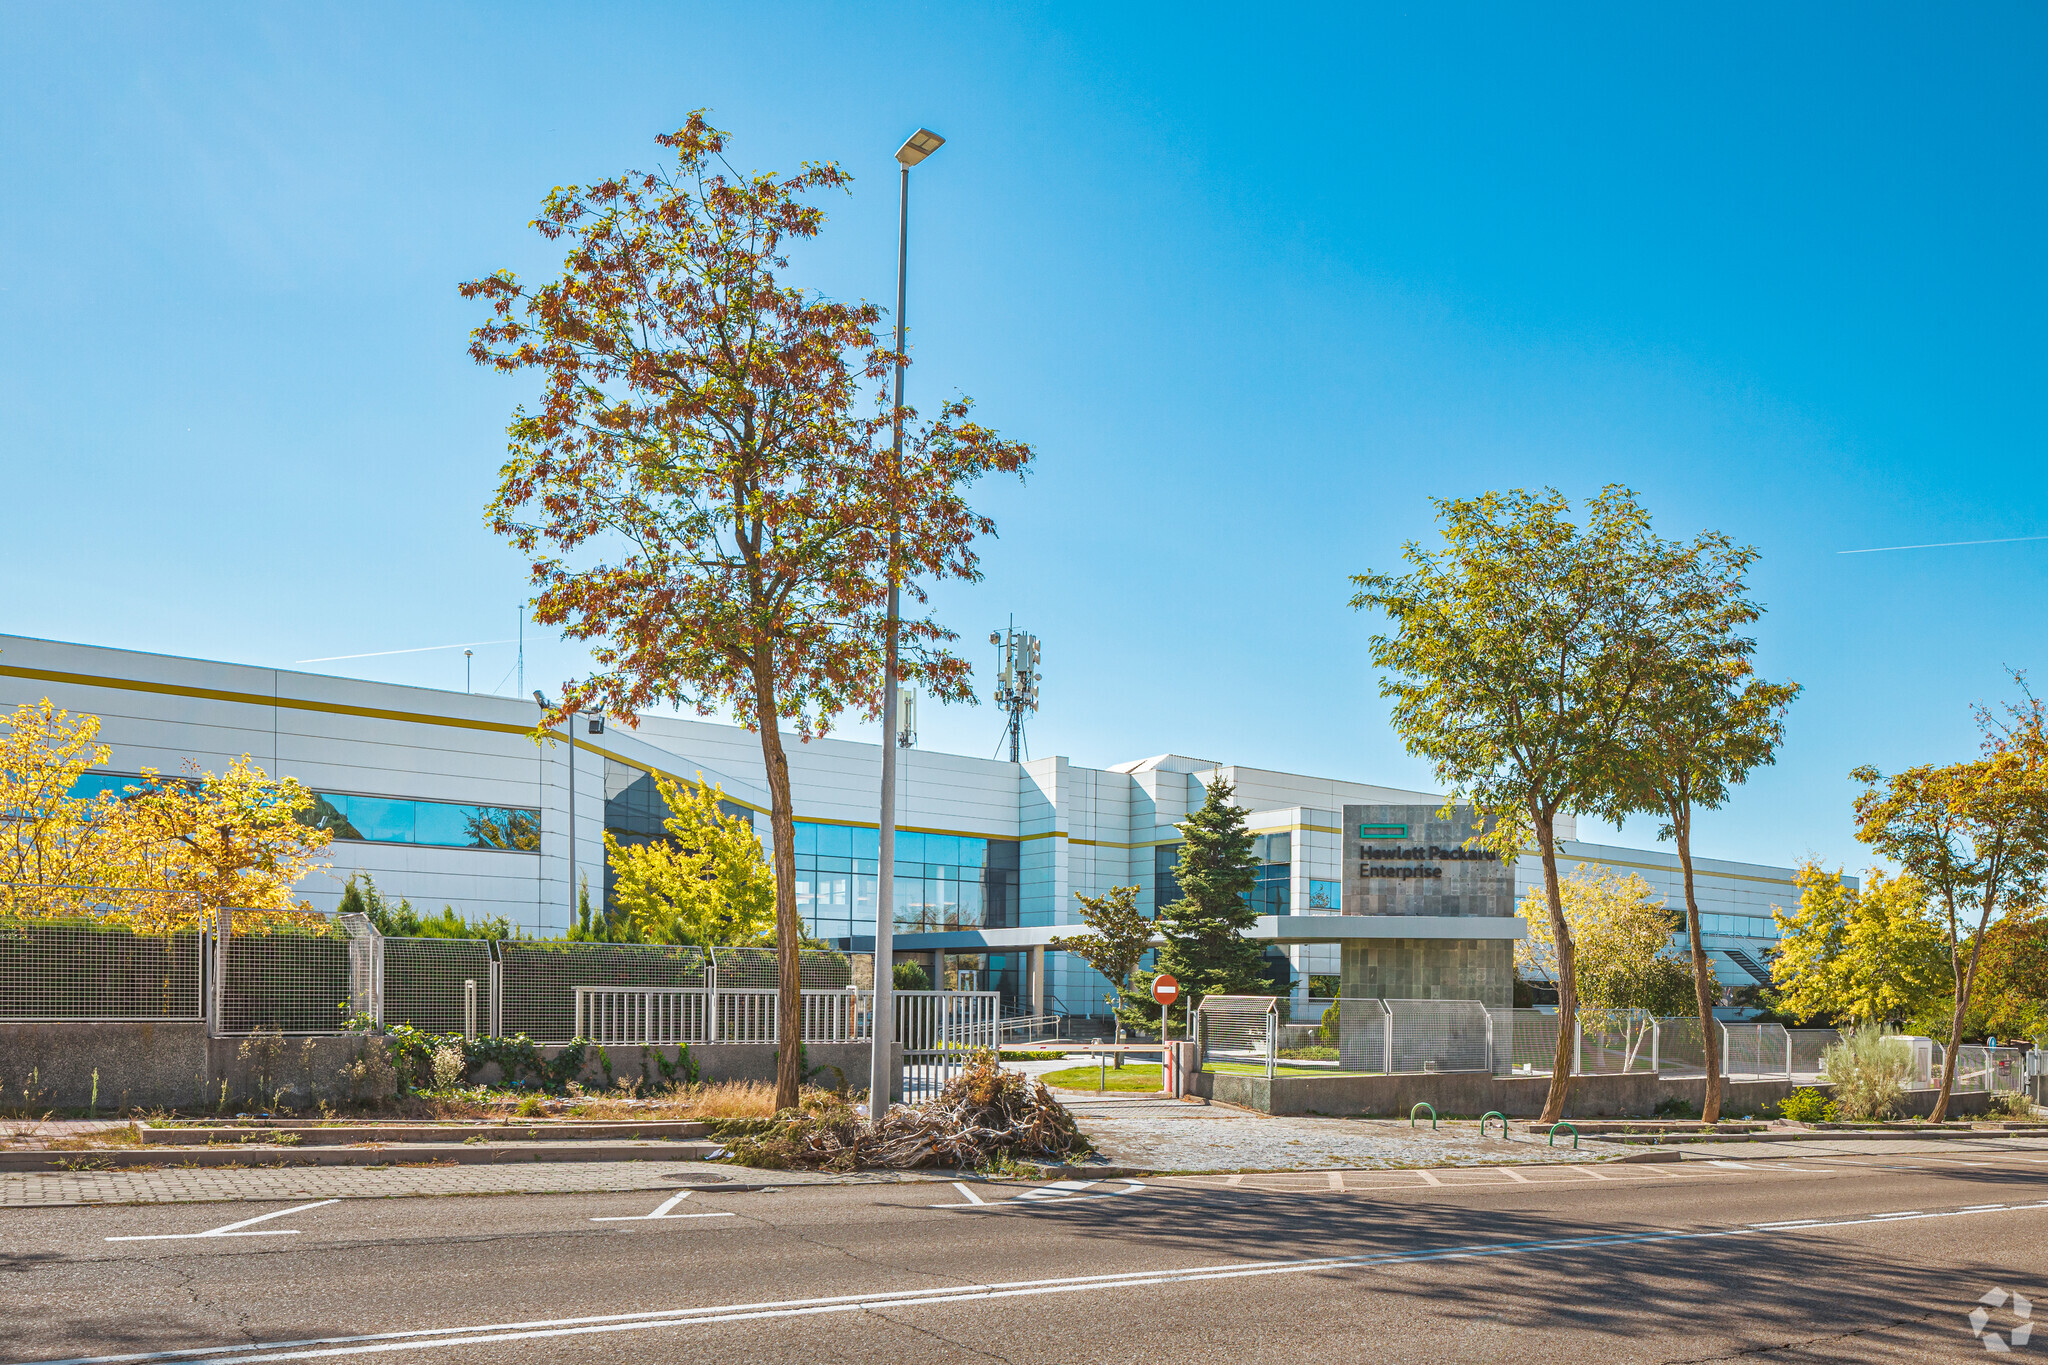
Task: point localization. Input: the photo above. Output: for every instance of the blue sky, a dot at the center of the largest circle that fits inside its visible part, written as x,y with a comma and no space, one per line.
1256,284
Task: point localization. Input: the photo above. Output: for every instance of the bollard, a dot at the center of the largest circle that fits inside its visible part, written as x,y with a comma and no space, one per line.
1494,1114
1553,1133
1425,1104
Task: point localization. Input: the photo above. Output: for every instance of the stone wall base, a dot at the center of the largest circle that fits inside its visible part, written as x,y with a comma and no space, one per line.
1519,1097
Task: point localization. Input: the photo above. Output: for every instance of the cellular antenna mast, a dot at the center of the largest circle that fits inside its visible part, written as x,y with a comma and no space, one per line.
1017,678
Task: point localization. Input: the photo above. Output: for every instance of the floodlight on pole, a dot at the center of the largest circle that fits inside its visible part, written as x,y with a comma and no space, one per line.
915,148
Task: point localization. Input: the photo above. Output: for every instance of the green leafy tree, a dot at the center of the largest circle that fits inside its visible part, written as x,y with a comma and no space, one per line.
707,883
910,976
1205,947
1518,654
1872,955
1701,725
1974,832
2011,1000
1121,938
707,493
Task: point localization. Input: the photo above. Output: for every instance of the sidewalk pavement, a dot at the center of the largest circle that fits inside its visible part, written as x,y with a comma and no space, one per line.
179,1184
1174,1135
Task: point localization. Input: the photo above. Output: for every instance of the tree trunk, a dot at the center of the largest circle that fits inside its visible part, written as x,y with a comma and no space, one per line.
789,1004
1966,980
1681,825
1567,973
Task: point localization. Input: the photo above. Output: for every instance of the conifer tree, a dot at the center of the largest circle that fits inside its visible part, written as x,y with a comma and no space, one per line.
1206,950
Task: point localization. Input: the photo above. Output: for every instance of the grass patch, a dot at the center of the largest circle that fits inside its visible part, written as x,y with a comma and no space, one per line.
1134,1076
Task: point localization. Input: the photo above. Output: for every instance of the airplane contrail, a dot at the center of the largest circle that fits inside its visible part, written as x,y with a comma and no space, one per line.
1939,545
423,649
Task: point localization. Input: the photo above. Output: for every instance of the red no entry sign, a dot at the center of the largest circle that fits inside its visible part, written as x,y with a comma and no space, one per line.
1165,989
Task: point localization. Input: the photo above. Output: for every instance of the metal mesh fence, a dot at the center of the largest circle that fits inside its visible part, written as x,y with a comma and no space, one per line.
1362,1033
427,983
1808,1046
1438,1035
1237,1030
1616,1042
1681,1048
755,969
284,971
91,956
1756,1050
537,981
1525,1041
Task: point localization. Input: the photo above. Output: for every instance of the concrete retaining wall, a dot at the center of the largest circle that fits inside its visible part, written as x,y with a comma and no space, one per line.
1471,1094
155,1065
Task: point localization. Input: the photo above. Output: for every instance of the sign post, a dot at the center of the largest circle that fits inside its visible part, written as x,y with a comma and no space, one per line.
1165,990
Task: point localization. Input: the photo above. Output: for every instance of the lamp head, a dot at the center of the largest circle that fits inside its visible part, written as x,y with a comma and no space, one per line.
918,146
539,698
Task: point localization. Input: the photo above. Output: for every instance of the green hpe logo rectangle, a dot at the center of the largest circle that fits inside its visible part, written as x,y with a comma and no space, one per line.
1383,831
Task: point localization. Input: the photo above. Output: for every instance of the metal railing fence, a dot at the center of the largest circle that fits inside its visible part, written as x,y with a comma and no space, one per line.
1525,1042
666,1017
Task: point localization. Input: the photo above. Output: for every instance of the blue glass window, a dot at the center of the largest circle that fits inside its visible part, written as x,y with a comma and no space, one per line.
943,881
437,824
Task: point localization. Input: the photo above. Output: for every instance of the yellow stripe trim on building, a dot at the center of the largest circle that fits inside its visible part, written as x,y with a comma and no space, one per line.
415,718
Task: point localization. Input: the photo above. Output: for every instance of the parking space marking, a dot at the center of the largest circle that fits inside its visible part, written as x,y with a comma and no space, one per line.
442,1338
232,1229
1055,1195
661,1213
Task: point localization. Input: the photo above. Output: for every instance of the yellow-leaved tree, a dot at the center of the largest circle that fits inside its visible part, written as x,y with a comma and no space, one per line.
53,846
1865,956
708,883
1621,929
236,838
156,853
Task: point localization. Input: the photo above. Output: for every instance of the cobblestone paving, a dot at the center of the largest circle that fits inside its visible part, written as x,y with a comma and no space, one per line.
1170,1135
180,1185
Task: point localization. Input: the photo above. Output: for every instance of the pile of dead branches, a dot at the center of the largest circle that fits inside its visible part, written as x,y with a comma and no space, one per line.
984,1117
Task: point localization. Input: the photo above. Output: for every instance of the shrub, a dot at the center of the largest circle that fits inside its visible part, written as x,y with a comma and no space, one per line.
2010,1106
1676,1107
450,1067
1869,1073
1808,1105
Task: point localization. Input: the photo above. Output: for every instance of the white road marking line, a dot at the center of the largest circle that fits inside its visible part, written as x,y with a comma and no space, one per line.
1589,1172
1429,1178
1335,1179
968,1194
661,1213
1050,1196
1515,1176
435,1338
231,1229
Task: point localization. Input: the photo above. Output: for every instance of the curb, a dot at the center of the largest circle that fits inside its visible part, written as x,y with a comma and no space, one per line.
447,1134
1932,1135
407,1154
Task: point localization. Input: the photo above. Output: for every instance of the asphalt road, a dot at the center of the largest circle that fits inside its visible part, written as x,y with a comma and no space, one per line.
1809,1260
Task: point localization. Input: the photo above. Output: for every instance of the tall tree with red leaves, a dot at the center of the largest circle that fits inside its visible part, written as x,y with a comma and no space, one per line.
705,492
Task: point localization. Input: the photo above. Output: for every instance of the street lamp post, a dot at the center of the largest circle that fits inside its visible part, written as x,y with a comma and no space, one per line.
882,1024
